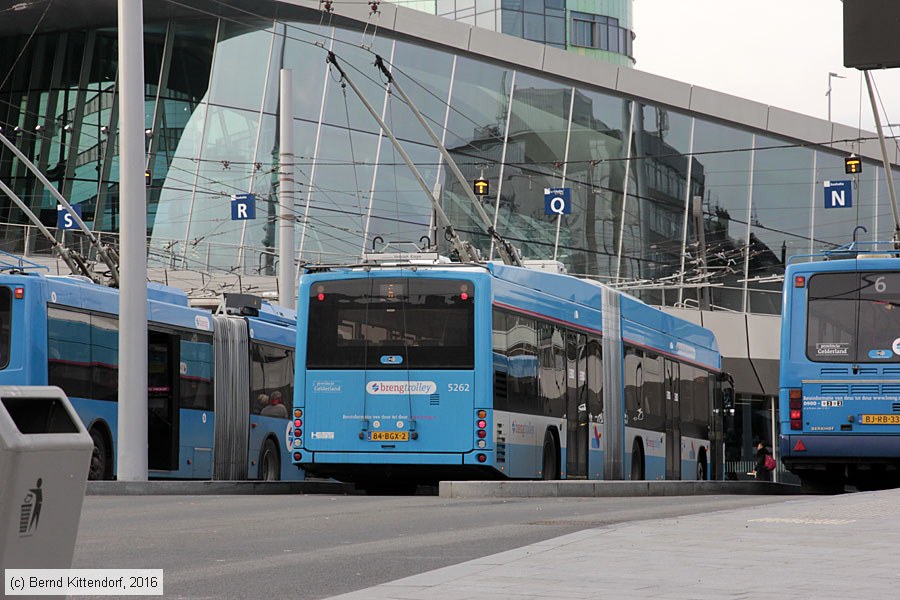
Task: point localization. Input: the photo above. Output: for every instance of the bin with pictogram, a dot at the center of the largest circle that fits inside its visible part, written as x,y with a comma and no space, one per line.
45,453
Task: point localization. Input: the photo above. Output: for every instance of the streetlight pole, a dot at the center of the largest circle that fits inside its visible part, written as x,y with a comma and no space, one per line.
828,93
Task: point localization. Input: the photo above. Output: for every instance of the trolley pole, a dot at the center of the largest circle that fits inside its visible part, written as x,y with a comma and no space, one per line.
132,449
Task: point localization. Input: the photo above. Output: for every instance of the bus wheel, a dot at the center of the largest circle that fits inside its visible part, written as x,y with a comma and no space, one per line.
551,459
637,462
269,462
99,469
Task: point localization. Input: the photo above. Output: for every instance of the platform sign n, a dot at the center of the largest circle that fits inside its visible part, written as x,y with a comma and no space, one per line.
838,194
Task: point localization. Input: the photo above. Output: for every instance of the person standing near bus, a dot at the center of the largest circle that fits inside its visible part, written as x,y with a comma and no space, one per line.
761,472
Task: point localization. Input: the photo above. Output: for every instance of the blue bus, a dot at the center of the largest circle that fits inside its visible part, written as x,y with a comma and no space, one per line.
839,383
205,374
414,373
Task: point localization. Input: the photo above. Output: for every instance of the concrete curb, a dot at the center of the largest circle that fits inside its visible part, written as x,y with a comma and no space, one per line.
206,488
609,489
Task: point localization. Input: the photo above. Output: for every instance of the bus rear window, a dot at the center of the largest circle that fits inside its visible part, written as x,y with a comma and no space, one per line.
414,323
854,317
5,325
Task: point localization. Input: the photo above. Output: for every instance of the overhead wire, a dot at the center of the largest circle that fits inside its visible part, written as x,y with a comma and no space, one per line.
531,165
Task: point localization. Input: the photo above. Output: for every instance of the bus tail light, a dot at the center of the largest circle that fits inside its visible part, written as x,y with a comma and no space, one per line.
481,458
298,413
799,281
481,427
19,293
297,456
795,404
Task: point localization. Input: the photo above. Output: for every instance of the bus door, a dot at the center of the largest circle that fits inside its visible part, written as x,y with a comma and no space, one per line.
673,420
162,401
576,407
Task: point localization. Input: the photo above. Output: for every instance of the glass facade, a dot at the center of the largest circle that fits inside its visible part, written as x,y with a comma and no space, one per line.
211,114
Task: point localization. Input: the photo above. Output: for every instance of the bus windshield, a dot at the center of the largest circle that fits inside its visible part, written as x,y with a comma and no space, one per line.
408,323
854,317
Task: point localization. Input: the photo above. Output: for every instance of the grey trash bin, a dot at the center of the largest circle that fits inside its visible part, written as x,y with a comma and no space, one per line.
45,453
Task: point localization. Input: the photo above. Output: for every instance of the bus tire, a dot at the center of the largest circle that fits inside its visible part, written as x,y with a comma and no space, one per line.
701,467
269,462
550,464
637,461
101,458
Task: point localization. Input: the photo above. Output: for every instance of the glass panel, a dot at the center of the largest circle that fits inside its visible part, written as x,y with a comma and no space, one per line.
596,174
477,122
721,172
342,105
779,218
225,168
338,202
512,23
654,212
192,53
424,75
556,30
308,69
537,141
534,27
241,48
534,6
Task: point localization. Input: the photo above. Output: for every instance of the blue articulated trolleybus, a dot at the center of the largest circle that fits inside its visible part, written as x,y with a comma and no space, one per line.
839,390
415,373
204,373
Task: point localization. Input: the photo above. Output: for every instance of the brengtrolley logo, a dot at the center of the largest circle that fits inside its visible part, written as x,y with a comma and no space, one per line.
419,388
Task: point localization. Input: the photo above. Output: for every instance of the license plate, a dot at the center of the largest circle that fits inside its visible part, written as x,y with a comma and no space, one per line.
879,419
389,436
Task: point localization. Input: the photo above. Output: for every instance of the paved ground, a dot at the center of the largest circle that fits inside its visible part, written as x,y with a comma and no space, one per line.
841,547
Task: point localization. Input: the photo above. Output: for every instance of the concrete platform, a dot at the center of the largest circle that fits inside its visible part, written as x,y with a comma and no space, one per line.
616,489
218,488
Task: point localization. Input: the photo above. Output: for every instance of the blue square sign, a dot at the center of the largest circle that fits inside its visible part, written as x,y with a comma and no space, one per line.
243,207
557,201
839,194
64,218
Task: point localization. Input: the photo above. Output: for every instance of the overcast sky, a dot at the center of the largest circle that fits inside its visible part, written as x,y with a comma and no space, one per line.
778,52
